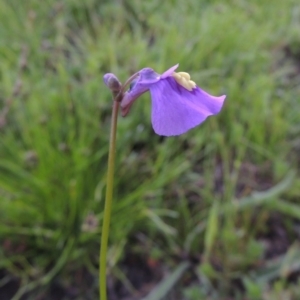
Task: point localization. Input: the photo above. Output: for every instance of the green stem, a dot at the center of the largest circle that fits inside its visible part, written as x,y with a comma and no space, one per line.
108,201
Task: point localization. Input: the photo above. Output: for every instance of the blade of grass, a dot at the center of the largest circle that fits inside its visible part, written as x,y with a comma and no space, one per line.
163,288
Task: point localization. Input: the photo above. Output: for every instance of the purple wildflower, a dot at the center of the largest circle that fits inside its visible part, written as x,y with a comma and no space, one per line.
177,103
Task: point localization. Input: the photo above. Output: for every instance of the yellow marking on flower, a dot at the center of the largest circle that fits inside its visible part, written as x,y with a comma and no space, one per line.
183,79
185,75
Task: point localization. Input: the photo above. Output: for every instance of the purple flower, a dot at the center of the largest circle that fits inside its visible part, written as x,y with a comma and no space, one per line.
178,104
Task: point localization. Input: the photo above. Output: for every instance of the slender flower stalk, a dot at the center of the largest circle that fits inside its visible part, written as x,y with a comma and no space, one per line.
118,91
115,86
108,201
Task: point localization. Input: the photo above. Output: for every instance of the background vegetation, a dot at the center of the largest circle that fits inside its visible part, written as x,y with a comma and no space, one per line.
212,214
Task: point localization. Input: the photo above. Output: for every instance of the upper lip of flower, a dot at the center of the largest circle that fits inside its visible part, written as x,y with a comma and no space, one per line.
146,77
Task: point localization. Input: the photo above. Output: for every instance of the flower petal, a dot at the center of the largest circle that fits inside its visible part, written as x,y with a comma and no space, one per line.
169,72
175,110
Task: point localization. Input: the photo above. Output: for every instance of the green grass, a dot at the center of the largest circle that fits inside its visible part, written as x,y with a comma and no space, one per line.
210,196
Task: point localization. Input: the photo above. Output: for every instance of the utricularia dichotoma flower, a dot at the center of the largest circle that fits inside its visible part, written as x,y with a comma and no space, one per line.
178,104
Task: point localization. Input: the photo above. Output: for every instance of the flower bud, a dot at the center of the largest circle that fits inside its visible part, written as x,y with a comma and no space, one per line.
112,82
